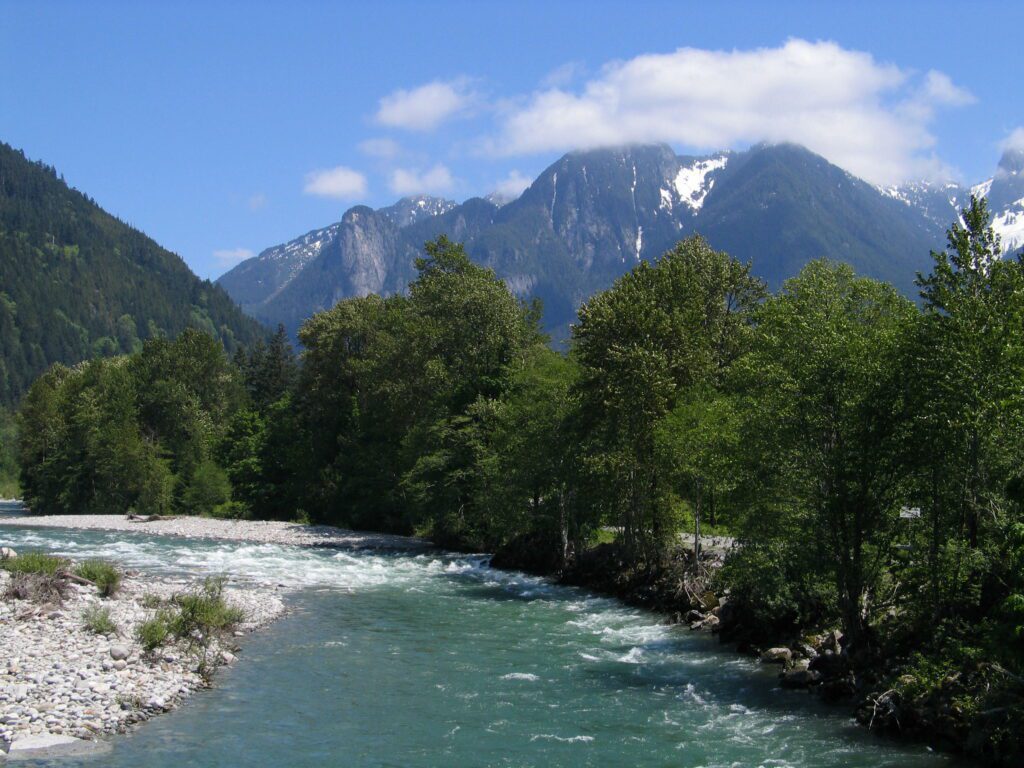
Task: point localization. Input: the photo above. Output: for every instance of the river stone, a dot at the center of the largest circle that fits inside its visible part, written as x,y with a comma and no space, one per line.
800,678
40,741
120,664
779,655
6,553
119,651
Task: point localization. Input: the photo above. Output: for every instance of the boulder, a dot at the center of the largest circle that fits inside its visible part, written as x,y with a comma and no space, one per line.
799,678
709,600
41,741
692,616
833,641
120,651
6,553
779,655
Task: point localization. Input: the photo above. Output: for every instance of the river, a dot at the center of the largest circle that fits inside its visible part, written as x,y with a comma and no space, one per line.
430,660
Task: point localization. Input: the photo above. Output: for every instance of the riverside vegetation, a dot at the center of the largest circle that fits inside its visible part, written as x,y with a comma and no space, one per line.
89,649
801,422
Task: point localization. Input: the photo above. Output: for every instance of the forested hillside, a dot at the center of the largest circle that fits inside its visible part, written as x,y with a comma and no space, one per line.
77,283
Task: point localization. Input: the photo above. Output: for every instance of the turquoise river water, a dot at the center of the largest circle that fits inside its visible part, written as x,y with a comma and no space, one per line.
434,660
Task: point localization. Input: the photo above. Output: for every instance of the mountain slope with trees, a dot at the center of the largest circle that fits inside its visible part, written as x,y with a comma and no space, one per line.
77,283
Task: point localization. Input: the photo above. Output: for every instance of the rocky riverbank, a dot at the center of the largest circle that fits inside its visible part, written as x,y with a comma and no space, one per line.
256,531
62,681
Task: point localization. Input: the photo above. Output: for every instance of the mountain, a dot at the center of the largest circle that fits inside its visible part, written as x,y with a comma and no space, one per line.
1004,191
591,216
257,282
75,282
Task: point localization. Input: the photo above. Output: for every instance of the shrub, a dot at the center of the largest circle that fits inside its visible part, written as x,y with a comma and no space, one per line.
154,632
104,575
208,489
149,600
204,612
97,620
194,616
230,510
34,563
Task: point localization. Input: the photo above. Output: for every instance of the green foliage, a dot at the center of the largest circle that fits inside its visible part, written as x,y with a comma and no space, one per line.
104,575
230,510
34,563
203,613
97,620
823,408
197,617
154,632
395,397
801,422
662,331
208,489
76,283
130,433
9,488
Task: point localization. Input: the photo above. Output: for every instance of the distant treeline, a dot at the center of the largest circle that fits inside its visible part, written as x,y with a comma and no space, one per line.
802,421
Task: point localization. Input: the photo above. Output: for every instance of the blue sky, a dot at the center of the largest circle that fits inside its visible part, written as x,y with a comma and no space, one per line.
223,128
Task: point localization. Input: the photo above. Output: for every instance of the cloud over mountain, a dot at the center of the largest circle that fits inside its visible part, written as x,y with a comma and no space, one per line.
868,117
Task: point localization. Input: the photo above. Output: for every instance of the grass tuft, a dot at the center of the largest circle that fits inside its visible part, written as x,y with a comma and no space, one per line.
97,620
34,563
105,576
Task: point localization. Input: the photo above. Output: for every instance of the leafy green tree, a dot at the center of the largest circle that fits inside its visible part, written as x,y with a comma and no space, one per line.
208,488
661,331
698,445
969,425
825,424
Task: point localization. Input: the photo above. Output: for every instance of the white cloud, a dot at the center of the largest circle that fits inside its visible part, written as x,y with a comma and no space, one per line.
257,201
867,117
425,107
341,182
512,186
561,76
380,147
405,181
1014,141
229,257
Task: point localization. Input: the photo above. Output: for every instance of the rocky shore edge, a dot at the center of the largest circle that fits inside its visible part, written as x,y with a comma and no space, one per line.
818,663
63,684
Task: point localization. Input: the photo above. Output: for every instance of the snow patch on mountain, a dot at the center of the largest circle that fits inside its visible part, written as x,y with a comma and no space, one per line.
410,210
299,252
1009,225
692,183
982,190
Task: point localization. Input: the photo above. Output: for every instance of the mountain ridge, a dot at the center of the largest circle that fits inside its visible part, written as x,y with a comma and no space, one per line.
593,214
76,282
